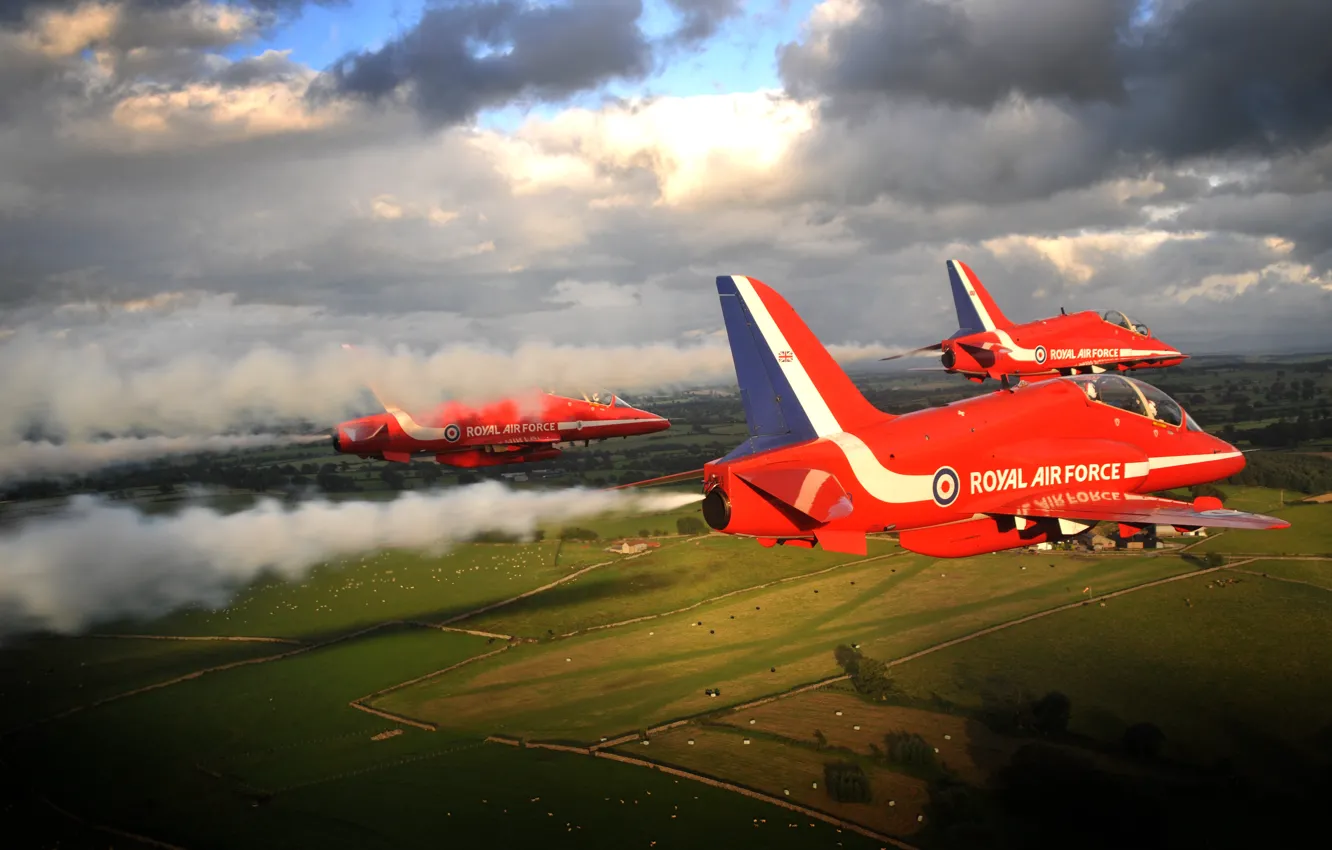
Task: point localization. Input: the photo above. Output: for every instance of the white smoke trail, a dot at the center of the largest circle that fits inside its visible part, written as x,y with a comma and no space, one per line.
30,460
95,561
81,391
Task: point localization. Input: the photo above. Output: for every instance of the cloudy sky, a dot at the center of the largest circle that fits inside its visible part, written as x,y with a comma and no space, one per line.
200,200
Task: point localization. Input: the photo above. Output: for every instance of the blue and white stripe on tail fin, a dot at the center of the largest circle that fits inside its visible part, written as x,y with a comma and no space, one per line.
976,310
791,388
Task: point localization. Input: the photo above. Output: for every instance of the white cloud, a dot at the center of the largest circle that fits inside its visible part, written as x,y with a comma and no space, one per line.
596,294
386,207
699,149
1225,287
60,33
1077,256
206,113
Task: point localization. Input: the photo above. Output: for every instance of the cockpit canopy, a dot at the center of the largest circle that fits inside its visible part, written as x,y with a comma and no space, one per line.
606,398
1136,397
1115,317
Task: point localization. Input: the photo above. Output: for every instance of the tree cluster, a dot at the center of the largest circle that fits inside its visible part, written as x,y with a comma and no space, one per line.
846,782
576,533
1048,715
909,750
1306,473
690,525
868,675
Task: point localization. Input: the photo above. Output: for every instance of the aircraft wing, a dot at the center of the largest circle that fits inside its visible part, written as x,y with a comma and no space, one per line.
1133,509
664,479
924,348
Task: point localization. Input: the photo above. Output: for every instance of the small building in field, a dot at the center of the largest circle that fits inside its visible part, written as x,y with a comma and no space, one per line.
633,547
1100,542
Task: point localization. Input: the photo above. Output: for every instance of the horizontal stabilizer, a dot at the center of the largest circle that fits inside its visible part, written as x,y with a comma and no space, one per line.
813,492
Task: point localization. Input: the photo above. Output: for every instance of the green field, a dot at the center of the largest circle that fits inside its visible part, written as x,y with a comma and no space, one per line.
1236,670
621,679
1317,573
45,676
381,586
1310,533
682,572
1229,664
254,755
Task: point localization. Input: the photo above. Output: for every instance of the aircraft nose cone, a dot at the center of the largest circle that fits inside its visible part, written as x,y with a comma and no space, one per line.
1230,465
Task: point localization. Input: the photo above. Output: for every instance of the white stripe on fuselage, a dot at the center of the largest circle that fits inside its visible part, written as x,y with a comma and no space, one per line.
976,303
426,434
411,429
596,423
880,482
1139,469
1028,355
1189,460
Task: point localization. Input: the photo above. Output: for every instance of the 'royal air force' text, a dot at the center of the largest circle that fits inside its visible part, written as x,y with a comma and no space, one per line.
516,428
1016,478
1083,353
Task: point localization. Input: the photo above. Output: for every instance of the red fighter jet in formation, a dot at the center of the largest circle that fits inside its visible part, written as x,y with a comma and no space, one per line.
1008,469
988,345
508,431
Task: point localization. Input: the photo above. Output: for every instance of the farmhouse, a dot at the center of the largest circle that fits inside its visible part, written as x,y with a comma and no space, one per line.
633,547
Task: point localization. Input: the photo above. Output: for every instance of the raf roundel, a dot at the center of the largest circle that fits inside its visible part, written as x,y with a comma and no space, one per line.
452,433
946,486
1040,354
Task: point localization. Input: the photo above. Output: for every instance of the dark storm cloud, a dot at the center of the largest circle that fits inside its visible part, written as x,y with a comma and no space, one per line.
545,53
1222,75
1199,77
1302,219
700,19
948,53
934,154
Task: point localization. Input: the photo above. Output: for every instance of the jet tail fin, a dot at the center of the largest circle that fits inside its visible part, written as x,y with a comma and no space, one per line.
976,310
791,387
374,390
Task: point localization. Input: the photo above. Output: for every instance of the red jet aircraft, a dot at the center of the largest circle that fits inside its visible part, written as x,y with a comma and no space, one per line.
988,345
498,433
1039,463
